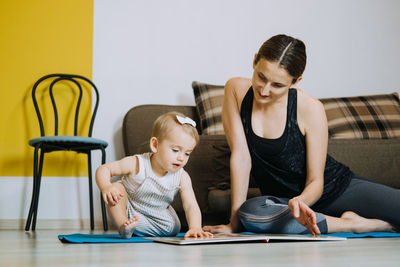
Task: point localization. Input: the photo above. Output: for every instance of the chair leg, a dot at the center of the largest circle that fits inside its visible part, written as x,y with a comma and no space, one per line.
103,205
90,190
30,214
38,181
103,213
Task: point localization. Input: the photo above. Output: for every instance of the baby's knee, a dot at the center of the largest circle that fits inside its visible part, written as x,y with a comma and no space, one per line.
120,187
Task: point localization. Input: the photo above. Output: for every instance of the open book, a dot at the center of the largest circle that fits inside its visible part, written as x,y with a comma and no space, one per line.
242,237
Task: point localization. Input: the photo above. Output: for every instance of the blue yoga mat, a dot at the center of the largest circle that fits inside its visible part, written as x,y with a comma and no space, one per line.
105,238
371,234
114,238
108,238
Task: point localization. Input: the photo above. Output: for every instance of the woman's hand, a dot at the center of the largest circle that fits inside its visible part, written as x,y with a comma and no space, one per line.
222,228
198,233
304,215
111,195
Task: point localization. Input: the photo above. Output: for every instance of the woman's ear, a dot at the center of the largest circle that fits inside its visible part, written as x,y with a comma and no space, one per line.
254,61
297,81
154,144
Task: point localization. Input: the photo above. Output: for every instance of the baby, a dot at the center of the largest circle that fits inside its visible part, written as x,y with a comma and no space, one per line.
139,204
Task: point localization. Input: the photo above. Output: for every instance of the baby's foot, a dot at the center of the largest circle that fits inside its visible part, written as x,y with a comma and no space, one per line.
126,230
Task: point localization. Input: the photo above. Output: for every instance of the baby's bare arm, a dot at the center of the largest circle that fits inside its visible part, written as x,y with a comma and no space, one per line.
125,166
191,208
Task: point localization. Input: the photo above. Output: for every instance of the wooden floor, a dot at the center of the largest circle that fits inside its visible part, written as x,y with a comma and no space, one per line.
42,248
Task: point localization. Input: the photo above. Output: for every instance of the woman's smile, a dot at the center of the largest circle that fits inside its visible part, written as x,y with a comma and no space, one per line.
263,96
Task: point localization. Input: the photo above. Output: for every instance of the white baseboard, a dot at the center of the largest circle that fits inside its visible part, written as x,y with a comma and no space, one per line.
53,224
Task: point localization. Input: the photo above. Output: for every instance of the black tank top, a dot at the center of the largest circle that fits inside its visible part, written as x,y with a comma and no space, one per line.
280,169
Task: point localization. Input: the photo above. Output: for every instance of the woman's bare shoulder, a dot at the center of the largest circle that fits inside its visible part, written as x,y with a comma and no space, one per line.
309,111
307,102
238,86
309,108
238,83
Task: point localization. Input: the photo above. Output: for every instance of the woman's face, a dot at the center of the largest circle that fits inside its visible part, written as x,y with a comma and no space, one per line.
270,81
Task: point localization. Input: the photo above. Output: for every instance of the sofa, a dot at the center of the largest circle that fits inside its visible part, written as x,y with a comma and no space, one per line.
208,166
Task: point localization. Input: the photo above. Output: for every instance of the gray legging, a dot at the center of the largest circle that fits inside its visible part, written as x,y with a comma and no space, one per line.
268,214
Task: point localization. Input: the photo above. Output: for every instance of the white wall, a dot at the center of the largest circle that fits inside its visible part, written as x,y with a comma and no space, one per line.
150,52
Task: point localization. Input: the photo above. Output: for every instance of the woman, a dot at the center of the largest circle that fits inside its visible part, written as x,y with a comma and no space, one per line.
278,134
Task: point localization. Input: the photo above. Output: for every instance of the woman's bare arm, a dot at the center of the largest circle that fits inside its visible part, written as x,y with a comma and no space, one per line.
313,119
240,161
313,123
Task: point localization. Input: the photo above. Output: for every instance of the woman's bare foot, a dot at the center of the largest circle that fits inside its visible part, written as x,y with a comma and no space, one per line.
126,230
363,225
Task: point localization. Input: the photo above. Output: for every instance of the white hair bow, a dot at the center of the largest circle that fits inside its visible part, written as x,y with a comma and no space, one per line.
186,120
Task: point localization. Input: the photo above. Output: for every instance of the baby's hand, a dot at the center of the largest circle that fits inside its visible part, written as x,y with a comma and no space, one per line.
198,233
111,195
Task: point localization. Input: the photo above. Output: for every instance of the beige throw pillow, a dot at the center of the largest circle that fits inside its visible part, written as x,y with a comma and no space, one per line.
363,117
209,99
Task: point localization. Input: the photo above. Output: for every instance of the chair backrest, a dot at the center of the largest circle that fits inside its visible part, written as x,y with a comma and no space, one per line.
78,82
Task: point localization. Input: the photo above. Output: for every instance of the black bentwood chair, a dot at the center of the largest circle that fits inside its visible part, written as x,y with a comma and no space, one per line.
49,143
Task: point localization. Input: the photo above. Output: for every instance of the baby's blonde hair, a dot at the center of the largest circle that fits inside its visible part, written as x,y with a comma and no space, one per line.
162,126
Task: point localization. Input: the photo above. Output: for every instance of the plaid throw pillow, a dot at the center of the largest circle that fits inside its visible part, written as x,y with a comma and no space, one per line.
363,117
209,99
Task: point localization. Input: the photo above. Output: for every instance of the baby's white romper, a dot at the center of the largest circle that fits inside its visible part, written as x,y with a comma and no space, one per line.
149,197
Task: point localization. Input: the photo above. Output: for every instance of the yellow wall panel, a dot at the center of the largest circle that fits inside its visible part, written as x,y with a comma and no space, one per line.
37,38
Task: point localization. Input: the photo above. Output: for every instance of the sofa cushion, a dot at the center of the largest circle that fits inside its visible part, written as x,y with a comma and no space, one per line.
209,99
375,159
363,117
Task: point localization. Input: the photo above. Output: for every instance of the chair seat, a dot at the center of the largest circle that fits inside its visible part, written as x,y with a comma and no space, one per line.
68,141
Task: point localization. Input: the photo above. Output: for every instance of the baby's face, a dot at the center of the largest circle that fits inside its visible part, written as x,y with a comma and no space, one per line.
174,150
